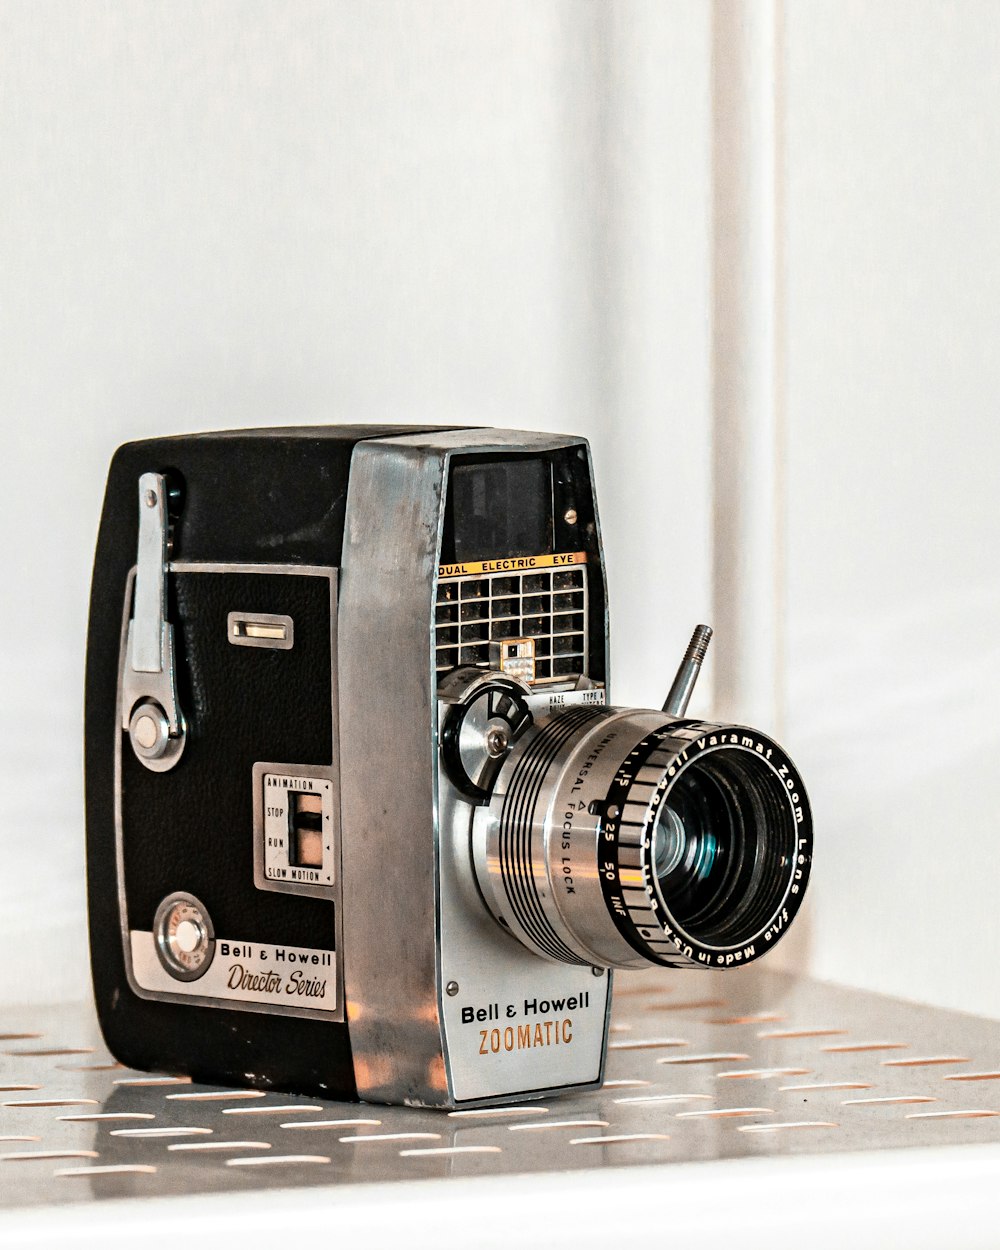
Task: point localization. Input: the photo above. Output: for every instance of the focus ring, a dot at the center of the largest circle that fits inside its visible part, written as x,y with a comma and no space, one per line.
517,820
634,906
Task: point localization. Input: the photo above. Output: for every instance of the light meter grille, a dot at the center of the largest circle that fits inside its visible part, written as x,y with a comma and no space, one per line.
549,606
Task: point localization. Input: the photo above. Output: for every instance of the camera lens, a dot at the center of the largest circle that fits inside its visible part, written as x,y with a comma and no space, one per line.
722,842
623,838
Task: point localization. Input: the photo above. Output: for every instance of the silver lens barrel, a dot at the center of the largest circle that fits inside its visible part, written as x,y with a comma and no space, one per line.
621,838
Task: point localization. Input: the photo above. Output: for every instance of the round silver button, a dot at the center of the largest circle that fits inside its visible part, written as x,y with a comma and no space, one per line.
149,730
185,937
145,731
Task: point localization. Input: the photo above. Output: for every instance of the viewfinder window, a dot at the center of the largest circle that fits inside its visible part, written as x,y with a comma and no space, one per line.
500,508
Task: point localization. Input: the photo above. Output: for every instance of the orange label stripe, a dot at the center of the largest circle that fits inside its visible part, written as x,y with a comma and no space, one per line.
513,564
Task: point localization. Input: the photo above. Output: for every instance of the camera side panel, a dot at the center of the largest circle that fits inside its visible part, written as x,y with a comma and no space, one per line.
267,497
243,836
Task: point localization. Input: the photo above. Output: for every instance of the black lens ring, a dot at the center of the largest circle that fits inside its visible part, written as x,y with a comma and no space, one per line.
643,917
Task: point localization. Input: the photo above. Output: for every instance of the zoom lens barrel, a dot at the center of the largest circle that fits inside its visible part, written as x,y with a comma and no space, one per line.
623,838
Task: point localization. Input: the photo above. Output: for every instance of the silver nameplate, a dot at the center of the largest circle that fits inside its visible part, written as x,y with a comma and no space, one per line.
282,978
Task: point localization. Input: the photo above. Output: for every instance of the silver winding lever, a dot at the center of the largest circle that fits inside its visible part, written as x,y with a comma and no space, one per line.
687,674
150,711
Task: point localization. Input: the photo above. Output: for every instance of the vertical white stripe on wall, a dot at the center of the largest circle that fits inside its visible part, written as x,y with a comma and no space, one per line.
746,455
648,357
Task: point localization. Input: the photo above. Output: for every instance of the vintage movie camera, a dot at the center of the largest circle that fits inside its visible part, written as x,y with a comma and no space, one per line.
360,820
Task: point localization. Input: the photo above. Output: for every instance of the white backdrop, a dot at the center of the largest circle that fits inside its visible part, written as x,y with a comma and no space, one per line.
892,325
243,214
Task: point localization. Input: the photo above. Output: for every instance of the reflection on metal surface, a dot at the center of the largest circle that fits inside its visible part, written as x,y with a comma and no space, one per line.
780,1128
380,1139
186,1131
282,1109
647,1098
785,1034
853,1048
882,1102
51,1102
152,1080
759,1017
451,1150
110,1169
951,1115
648,1112
218,1095
928,1063
271,1160
492,1112
724,1113
762,1074
618,1138
785,1089
692,1059
317,1124
34,1156
653,1043
548,1125
108,1115
42,1053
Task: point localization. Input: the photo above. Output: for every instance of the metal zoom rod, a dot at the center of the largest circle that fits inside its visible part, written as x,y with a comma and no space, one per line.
687,674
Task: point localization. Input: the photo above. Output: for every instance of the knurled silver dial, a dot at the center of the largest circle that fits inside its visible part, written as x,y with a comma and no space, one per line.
185,938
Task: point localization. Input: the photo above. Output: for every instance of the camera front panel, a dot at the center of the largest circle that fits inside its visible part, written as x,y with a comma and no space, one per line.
480,552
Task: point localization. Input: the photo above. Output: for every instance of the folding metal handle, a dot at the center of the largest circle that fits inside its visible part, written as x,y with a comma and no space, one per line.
150,710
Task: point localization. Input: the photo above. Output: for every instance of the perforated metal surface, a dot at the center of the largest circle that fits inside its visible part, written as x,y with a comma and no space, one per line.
702,1067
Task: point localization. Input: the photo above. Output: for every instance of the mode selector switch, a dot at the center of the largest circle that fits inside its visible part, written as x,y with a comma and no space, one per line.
295,829
305,829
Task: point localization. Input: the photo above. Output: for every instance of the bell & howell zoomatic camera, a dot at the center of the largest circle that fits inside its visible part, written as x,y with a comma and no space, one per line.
361,822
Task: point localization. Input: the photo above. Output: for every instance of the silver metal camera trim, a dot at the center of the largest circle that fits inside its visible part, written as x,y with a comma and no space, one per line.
394,979
185,566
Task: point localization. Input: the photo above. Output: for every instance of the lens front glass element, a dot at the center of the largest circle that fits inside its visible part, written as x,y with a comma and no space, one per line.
723,847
